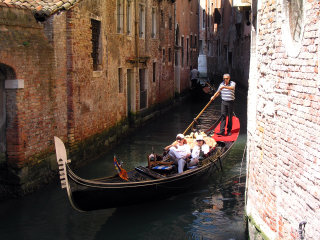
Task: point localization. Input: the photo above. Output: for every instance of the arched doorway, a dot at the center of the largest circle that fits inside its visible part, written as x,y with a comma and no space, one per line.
6,73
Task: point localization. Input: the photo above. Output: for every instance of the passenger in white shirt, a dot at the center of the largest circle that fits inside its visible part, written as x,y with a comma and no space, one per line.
179,151
199,150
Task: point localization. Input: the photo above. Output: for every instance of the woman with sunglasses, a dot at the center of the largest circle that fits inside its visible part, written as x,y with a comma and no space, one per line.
199,151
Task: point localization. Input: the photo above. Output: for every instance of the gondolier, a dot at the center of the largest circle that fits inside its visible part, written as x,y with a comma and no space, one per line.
226,89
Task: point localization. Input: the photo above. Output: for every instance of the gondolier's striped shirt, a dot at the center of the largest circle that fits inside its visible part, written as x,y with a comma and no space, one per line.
227,94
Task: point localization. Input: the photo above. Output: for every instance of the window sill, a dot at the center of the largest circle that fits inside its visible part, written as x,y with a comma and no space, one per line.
96,74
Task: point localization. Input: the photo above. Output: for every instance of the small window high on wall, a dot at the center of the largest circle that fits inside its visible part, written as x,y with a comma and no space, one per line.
141,21
129,17
96,44
154,23
120,16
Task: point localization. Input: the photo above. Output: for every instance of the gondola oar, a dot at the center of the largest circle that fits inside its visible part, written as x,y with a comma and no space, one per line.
194,120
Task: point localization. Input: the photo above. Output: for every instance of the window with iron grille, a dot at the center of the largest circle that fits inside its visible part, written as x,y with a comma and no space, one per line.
96,43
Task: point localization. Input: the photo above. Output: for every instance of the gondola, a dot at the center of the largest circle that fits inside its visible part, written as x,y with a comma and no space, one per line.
144,183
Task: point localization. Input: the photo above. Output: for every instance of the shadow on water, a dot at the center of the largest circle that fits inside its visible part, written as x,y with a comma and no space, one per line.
212,210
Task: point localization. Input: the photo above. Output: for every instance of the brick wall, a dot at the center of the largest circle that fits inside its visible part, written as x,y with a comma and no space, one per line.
30,118
283,125
62,94
187,17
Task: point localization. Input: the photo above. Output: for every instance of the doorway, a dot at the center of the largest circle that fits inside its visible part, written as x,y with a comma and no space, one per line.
131,106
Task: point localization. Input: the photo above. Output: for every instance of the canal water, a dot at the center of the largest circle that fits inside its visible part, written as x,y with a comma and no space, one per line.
214,209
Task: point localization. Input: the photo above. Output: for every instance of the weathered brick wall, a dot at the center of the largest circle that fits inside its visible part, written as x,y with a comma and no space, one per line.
283,165
62,95
30,120
187,17
96,101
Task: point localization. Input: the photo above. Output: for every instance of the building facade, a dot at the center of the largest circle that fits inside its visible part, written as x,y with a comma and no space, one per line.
78,70
186,42
283,168
224,40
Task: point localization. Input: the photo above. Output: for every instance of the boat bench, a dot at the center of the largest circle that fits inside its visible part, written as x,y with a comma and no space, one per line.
149,172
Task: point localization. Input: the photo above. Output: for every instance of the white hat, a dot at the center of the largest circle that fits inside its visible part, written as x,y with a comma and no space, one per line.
180,135
199,137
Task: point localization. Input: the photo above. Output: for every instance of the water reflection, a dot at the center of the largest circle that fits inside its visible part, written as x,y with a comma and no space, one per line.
211,210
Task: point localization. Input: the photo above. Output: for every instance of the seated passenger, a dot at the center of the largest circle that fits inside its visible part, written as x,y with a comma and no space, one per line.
199,151
179,151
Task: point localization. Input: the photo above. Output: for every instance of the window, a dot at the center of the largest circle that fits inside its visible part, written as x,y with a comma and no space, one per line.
119,16
162,18
293,25
169,55
182,50
191,39
96,44
217,16
230,59
177,36
295,8
195,42
129,16
203,18
141,21
170,23
163,55
154,71
120,80
187,51
143,89
200,47
154,23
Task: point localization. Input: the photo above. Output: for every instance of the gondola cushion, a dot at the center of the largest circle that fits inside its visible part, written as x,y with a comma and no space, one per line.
163,167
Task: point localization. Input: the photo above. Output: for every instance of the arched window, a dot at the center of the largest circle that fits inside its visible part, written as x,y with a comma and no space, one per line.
293,25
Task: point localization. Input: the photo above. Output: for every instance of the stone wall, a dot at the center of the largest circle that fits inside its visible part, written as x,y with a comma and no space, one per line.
283,165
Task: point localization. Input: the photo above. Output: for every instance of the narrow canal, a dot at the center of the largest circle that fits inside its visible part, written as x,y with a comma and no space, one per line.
212,210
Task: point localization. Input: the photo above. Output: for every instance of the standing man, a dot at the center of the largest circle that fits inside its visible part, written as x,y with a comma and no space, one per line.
226,89
194,75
